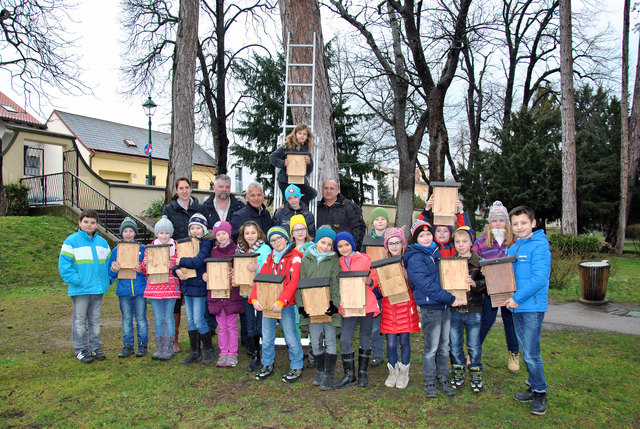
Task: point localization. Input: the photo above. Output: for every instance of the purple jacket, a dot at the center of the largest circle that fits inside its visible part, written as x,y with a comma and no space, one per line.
233,304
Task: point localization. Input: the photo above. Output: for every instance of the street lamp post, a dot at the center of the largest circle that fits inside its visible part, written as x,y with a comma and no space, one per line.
149,108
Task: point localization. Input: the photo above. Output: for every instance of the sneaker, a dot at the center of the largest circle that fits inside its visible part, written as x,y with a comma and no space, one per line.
84,356
222,360
142,350
376,361
430,391
457,379
292,376
539,404
514,362
264,372
232,361
445,387
525,396
475,379
126,352
98,354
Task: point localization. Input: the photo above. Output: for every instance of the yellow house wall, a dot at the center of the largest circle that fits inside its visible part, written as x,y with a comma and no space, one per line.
137,198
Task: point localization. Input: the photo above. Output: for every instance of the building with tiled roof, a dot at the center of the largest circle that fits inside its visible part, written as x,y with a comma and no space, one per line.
12,113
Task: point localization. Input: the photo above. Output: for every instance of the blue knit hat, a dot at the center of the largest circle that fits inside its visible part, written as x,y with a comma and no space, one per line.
163,225
277,230
199,219
292,191
128,223
325,231
344,235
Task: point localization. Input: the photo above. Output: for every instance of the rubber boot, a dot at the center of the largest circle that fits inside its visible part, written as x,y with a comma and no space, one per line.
349,366
176,319
168,347
196,354
329,370
253,348
207,348
158,353
319,359
363,365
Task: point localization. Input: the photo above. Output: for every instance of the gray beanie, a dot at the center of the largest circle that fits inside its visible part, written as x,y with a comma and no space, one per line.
164,224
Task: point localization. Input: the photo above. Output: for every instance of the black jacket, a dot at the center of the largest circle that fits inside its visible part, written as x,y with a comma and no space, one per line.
343,215
209,211
247,213
282,217
179,217
278,157
476,295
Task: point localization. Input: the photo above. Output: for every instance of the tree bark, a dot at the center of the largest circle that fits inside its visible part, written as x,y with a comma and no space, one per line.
183,96
301,18
569,200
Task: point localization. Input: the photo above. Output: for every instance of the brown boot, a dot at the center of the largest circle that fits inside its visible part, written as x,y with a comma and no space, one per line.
176,346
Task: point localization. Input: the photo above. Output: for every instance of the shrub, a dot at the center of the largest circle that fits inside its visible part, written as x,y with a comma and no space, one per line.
568,244
563,268
155,209
16,197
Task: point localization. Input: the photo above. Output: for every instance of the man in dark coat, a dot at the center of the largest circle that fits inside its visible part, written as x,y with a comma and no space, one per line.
221,205
253,210
340,213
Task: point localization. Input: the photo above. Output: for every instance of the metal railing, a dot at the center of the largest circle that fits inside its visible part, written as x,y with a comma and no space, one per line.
67,188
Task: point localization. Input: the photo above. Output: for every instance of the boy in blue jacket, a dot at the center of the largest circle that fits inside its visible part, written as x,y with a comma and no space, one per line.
421,262
83,266
530,302
130,294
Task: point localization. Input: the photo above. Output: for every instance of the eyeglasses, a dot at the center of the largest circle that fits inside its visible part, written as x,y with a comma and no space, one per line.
394,244
297,230
276,239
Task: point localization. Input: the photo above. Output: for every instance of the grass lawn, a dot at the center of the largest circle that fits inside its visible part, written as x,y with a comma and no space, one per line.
592,376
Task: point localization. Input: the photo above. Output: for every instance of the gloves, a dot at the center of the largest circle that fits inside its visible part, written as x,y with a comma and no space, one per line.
302,312
332,309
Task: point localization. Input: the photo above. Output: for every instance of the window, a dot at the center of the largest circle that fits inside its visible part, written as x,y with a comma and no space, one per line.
9,108
239,186
33,161
146,180
194,184
211,186
130,143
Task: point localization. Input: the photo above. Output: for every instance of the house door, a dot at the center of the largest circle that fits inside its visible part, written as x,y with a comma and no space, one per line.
33,161
70,161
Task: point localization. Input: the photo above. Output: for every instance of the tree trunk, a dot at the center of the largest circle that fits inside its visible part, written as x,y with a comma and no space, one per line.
634,136
624,138
183,95
438,137
569,201
301,18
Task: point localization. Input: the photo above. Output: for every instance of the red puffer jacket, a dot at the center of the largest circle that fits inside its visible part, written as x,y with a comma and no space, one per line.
399,318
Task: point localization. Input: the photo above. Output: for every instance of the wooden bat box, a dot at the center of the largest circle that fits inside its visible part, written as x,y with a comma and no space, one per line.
296,167
188,248
128,258
269,287
501,283
453,272
353,293
392,283
158,256
445,194
242,277
316,296
374,247
218,281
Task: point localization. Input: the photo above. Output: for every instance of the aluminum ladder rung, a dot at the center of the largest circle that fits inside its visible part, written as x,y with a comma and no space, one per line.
299,84
299,105
300,65
301,45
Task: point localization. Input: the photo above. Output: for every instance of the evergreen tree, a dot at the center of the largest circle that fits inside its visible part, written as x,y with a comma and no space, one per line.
384,194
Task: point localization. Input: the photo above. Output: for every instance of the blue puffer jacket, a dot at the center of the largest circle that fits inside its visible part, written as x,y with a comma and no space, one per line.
83,264
195,286
424,277
128,287
532,271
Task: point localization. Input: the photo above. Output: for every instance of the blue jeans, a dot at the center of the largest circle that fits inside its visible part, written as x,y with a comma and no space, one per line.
253,318
288,323
130,305
435,356
528,328
196,308
469,322
163,322
377,345
85,322
489,317
392,348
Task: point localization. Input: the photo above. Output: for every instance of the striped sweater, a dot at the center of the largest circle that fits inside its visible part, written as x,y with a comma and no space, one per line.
83,264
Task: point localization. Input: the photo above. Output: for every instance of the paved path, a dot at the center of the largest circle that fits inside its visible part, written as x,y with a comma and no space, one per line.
610,317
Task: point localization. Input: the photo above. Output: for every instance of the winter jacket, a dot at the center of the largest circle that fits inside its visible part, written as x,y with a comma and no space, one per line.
179,217
169,290
494,252
233,304
83,264
531,271
278,157
399,318
209,210
195,286
447,249
343,215
247,213
362,262
477,293
282,217
128,287
424,277
289,265
329,266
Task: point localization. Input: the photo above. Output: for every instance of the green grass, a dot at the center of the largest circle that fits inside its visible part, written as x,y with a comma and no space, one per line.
592,376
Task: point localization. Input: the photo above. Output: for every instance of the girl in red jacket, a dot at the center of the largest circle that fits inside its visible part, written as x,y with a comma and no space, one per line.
398,320
350,260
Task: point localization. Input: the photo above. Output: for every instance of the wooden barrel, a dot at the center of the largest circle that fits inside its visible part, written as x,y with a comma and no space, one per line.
594,277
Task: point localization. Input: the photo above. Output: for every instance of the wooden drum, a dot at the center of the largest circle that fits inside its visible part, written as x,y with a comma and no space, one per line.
594,277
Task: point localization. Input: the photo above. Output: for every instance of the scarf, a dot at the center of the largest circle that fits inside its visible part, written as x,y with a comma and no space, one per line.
319,255
499,235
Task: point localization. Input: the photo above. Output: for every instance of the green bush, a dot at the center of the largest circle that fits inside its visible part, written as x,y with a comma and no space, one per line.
569,244
563,269
418,203
155,209
16,196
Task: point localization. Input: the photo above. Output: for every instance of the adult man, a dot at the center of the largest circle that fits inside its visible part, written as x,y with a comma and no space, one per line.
254,210
221,205
340,213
